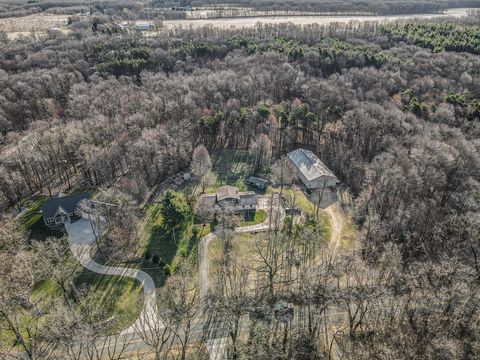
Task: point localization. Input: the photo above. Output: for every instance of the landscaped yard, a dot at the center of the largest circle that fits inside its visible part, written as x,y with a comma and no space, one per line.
231,167
297,198
32,220
164,249
116,296
109,298
253,218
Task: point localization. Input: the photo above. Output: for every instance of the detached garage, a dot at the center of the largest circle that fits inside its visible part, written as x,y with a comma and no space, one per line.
311,170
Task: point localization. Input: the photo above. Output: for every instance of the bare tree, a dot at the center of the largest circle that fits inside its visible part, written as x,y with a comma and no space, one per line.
261,150
182,303
51,259
282,173
201,164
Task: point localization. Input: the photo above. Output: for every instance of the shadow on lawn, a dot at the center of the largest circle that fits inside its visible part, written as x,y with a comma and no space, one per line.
162,248
231,166
110,296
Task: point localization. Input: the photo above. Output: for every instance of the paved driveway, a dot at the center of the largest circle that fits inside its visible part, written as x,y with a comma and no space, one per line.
81,239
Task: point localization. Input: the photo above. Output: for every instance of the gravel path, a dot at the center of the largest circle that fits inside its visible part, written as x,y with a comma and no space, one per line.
337,223
81,239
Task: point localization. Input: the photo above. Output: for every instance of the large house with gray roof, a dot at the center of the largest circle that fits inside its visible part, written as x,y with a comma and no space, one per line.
311,170
62,209
229,197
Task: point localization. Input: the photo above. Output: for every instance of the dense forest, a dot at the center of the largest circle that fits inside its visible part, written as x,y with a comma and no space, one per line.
393,110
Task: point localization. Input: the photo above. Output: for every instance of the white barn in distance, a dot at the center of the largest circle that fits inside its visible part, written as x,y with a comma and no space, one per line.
311,170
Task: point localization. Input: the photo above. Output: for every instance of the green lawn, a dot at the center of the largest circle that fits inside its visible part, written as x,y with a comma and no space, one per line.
110,297
33,214
113,296
297,197
169,246
250,218
231,167
205,229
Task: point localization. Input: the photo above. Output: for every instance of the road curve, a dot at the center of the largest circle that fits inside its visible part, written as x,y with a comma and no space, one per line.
81,239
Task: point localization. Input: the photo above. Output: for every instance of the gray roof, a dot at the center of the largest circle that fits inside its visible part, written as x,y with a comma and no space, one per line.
309,164
256,180
67,203
227,192
208,200
248,198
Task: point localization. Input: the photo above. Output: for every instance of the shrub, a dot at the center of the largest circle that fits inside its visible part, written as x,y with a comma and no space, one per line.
155,259
147,255
167,271
195,231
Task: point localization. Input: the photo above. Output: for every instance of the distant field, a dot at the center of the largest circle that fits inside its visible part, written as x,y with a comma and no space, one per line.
40,23
300,20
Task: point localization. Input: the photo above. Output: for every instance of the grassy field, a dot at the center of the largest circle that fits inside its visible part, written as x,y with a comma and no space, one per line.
296,196
115,296
250,218
243,251
348,235
37,24
231,167
168,246
112,298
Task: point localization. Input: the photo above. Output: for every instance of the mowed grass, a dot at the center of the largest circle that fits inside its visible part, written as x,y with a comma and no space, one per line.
296,197
170,246
32,219
117,299
32,206
244,251
113,300
253,218
231,167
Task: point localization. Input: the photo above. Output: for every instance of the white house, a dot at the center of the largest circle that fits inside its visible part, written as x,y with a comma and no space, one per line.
311,170
143,26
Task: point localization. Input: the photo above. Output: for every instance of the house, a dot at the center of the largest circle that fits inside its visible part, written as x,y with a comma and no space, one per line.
311,170
144,26
229,196
62,209
257,182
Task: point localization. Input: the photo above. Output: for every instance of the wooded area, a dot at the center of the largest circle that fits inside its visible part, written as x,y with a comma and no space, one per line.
393,110
176,9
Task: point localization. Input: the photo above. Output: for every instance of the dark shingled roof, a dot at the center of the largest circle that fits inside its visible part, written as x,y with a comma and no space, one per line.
68,203
248,198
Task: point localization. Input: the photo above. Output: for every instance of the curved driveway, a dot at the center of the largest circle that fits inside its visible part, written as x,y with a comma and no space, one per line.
81,239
